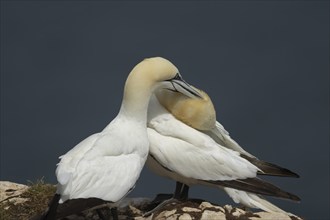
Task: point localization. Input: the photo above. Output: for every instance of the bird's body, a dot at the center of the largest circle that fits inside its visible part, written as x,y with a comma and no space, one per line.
94,167
106,165
192,153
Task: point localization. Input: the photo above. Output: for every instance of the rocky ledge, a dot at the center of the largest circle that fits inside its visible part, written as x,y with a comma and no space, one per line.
13,198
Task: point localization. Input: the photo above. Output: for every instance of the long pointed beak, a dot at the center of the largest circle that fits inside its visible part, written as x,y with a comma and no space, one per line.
183,87
177,84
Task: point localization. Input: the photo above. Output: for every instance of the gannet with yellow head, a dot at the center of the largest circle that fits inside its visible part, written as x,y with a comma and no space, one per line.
197,113
188,145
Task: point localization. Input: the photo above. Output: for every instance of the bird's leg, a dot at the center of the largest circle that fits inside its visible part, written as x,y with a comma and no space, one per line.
162,197
180,194
184,192
178,190
160,206
181,191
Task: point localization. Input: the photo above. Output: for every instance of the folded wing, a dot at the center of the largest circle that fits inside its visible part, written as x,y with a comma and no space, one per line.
193,154
88,171
221,136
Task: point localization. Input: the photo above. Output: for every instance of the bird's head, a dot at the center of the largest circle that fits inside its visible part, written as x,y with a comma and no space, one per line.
197,113
159,73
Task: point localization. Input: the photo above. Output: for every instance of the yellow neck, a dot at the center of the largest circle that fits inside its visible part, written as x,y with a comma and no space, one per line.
197,113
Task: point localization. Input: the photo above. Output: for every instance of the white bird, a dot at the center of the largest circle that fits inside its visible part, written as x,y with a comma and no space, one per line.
106,165
188,145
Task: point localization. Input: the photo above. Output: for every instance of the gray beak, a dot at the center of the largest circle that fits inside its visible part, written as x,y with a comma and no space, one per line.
179,85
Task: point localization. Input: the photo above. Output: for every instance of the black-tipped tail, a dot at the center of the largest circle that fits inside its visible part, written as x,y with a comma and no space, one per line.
258,186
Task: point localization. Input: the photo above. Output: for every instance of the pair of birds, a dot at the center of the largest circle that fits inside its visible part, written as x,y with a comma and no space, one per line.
172,126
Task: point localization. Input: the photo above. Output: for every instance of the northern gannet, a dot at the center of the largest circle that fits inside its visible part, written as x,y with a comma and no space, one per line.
188,145
106,165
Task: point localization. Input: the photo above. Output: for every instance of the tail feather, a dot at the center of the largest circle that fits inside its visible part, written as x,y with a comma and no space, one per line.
70,207
75,206
222,137
252,200
52,210
258,186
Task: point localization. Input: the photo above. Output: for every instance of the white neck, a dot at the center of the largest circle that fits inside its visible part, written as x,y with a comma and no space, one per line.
136,98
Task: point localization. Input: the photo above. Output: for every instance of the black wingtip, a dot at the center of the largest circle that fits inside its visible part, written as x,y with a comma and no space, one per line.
270,169
274,170
258,186
294,197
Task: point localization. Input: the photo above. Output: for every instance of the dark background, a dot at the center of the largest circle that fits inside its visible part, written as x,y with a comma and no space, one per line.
265,65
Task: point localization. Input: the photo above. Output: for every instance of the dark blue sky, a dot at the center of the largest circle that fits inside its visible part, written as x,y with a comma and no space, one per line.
264,64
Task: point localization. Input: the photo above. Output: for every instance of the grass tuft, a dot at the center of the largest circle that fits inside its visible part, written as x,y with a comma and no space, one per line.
39,194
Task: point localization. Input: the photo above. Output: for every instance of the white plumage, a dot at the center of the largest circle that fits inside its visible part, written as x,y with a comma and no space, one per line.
192,153
106,165
191,156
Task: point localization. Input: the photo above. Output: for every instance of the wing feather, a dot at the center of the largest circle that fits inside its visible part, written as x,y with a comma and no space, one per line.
258,186
99,178
209,161
94,169
221,136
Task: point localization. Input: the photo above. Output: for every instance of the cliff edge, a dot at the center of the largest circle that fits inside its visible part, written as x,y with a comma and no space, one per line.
19,201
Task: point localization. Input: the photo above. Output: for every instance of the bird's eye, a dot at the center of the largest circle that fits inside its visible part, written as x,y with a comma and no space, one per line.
177,76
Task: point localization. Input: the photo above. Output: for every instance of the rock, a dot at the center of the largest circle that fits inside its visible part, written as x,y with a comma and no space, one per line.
228,208
212,215
166,214
209,206
238,212
133,202
188,209
205,205
135,211
134,208
185,216
270,216
141,218
11,192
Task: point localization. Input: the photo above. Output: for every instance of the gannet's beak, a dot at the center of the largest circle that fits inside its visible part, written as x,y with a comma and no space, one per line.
177,84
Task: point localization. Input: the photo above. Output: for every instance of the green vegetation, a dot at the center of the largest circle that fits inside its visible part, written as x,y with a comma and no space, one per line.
39,195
